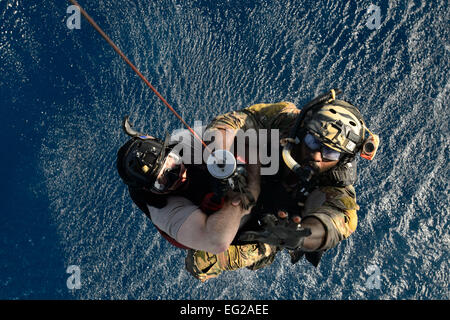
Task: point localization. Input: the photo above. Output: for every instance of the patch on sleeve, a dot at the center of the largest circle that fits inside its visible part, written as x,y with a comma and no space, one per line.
344,200
340,197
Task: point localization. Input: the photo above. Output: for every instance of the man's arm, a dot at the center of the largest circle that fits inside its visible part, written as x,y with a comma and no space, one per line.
190,226
331,213
213,233
318,234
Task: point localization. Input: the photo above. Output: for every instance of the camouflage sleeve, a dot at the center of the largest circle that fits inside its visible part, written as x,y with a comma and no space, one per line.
336,208
258,116
274,116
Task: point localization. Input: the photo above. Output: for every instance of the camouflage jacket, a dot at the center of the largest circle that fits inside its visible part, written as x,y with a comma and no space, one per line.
331,200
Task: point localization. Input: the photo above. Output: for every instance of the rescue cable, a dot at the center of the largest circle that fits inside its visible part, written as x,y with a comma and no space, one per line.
113,45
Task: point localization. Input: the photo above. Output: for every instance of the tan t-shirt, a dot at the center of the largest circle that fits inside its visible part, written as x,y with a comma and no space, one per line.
171,217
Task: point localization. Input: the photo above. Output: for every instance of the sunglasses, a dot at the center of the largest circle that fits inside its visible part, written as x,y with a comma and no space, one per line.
314,144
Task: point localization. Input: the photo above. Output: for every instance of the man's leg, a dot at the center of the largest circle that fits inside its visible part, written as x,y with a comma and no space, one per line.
204,265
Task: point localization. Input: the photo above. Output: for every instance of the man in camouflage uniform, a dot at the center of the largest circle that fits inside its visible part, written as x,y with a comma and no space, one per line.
325,137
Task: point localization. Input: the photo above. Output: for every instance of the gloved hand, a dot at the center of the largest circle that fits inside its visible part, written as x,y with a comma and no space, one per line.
279,231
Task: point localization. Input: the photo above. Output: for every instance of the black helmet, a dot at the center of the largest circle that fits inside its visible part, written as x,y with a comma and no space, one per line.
139,159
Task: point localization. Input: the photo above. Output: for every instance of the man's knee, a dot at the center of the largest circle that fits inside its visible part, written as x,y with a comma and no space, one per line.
202,265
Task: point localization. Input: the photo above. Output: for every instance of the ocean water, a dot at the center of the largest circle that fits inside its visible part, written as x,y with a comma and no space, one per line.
63,93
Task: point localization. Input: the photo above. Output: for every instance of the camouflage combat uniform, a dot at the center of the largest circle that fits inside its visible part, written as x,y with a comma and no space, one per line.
335,207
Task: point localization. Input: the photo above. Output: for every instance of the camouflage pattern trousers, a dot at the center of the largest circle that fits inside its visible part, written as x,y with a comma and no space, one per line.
204,265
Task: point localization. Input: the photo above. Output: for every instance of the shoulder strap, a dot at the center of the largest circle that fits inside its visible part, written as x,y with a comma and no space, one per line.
341,176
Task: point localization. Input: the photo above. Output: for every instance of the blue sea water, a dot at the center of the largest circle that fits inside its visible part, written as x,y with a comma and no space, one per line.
64,92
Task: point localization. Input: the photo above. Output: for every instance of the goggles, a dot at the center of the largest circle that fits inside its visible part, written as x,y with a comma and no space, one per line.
169,174
314,144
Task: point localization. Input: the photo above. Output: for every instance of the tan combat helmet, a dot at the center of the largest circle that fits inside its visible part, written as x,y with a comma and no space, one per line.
335,123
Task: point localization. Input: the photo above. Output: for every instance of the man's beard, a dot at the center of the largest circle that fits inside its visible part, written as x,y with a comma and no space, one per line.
312,164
